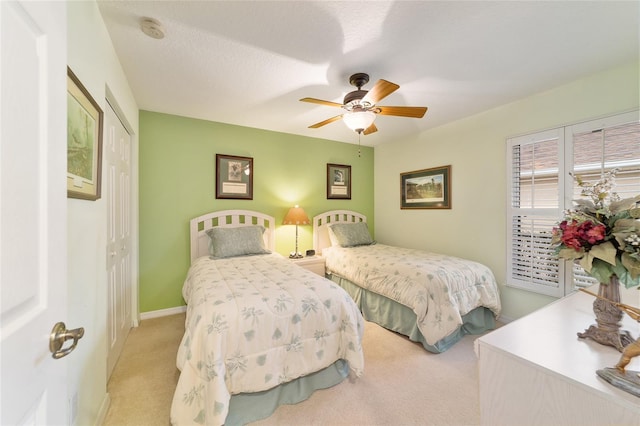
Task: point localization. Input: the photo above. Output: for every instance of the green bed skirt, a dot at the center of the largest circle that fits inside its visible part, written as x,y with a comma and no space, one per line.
249,407
401,319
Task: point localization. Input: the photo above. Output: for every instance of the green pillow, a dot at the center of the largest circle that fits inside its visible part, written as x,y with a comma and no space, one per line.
350,234
237,241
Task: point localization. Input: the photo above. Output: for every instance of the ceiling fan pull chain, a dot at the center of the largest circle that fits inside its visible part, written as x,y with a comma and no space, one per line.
359,134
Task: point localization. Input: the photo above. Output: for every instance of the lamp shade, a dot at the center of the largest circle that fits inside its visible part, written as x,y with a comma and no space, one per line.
359,120
296,216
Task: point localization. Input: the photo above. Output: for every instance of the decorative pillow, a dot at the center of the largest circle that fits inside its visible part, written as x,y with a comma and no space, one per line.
350,234
236,241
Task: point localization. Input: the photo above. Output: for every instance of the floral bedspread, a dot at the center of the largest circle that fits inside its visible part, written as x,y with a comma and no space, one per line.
254,322
440,289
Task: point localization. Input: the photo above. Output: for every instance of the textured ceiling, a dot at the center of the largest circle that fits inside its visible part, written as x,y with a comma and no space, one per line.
249,62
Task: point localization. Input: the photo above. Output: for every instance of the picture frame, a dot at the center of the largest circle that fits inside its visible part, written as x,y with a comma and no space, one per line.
84,142
426,188
234,177
338,182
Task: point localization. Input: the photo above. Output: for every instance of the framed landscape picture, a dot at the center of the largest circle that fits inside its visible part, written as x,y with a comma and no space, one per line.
426,189
84,141
338,181
234,177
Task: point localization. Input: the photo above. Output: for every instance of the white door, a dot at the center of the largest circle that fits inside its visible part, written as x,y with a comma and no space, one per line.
118,155
33,242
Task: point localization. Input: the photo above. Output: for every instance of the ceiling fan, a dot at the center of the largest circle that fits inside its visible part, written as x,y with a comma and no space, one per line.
361,105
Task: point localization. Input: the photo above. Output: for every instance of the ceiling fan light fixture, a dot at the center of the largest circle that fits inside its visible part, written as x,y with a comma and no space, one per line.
359,121
361,106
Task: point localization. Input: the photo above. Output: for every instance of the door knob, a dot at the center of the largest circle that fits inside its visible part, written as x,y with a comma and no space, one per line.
59,335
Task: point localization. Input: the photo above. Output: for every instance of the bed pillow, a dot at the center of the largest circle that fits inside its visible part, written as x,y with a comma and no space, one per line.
350,234
236,241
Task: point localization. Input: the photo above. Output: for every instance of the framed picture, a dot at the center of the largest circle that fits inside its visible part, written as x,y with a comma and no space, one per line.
84,141
338,181
426,189
234,177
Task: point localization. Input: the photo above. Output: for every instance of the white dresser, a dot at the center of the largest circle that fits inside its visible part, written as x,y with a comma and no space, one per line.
536,371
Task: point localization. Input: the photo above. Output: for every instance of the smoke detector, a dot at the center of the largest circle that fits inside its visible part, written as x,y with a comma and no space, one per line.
152,28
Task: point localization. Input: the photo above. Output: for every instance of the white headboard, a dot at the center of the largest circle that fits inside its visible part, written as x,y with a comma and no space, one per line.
228,218
321,222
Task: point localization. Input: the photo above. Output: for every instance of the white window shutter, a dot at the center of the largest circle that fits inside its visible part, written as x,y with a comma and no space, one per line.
534,207
540,189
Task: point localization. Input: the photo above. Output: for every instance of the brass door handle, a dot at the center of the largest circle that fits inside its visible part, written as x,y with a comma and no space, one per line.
59,335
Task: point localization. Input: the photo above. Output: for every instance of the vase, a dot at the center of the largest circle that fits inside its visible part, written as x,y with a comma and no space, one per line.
607,331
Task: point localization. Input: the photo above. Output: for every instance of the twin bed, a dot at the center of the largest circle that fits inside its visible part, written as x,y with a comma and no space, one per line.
431,298
262,331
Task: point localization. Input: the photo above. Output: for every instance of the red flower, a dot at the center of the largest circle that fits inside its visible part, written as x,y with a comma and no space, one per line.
577,235
570,234
594,233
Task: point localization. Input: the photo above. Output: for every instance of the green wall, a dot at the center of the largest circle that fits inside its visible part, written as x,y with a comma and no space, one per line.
177,183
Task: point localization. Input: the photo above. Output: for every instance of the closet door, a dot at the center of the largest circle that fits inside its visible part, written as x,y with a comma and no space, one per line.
118,179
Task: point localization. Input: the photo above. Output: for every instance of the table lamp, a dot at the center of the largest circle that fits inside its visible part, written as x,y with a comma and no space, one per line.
296,216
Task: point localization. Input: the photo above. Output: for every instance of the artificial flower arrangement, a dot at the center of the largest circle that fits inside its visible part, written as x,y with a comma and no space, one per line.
602,233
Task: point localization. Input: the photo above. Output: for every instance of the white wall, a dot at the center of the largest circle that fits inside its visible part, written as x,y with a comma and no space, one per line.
475,227
92,58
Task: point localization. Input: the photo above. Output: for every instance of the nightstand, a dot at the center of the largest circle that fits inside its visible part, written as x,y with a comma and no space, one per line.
312,263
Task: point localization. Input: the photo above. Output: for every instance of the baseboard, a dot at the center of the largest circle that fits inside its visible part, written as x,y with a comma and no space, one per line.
504,320
104,408
163,312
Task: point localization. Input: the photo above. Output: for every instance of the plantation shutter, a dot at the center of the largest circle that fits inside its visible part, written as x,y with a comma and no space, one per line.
599,147
540,188
602,150
533,210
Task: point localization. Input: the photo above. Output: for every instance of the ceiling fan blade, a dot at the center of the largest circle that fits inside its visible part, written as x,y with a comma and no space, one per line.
327,121
379,91
321,102
370,129
402,111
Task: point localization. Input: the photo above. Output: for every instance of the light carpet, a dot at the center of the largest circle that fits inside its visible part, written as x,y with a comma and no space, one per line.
402,383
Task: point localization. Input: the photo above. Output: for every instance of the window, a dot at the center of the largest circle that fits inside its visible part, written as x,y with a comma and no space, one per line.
540,187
